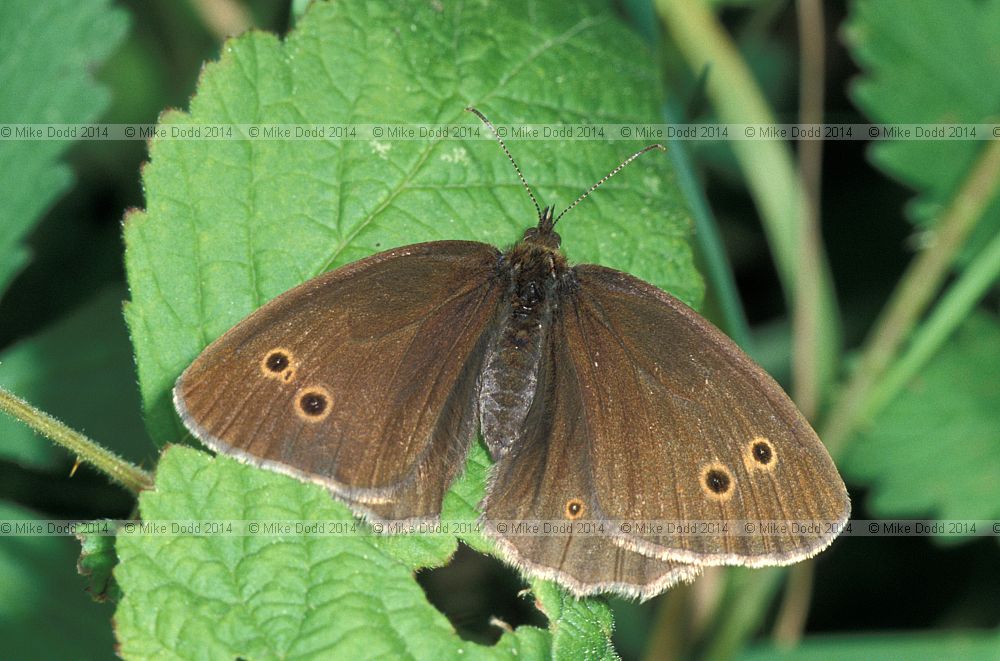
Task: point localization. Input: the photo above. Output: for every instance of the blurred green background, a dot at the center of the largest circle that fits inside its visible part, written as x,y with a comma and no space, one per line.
64,345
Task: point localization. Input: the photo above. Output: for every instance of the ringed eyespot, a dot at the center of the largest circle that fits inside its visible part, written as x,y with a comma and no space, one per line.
574,509
313,403
717,481
760,454
278,363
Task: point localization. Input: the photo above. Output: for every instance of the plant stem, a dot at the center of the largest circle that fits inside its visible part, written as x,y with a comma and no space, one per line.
954,308
920,282
128,475
770,172
748,594
706,234
794,608
806,322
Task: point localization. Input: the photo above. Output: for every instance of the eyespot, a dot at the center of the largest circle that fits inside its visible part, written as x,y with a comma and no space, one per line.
717,482
574,509
279,363
313,403
760,454
276,361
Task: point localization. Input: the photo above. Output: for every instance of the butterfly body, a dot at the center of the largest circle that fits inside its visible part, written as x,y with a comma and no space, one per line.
532,275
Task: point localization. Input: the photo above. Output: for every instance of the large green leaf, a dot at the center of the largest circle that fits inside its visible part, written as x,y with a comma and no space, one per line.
48,51
230,224
936,447
294,596
938,65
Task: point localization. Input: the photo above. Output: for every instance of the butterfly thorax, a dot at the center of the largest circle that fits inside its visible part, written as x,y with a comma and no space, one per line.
532,272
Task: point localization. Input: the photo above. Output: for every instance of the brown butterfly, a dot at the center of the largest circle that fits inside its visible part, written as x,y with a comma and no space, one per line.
604,402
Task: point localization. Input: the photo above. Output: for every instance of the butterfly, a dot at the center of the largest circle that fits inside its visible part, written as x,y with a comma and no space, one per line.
615,415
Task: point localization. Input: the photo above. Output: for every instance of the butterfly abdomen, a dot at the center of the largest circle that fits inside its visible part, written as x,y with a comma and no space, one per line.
530,274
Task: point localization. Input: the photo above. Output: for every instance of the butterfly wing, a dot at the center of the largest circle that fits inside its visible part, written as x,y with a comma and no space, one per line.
529,506
678,425
362,379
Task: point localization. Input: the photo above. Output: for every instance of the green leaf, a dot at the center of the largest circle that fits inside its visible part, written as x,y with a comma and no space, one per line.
581,628
293,596
81,371
936,447
44,610
938,65
909,646
230,224
48,52
97,560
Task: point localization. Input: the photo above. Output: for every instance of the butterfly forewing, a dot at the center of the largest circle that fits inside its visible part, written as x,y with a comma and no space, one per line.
681,427
363,379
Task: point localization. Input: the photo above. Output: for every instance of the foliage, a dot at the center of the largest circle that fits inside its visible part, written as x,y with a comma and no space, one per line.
222,226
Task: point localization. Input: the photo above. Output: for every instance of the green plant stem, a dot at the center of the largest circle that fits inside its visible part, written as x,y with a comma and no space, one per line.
767,165
805,318
772,180
794,609
128,475
919,284
706,233
948,315
747,595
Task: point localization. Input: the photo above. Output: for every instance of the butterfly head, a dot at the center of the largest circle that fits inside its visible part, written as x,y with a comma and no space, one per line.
543,234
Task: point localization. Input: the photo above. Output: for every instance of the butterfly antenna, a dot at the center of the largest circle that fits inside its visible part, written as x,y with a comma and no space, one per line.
608,176
520,176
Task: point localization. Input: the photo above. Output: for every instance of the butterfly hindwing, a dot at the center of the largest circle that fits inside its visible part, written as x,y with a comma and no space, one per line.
537,506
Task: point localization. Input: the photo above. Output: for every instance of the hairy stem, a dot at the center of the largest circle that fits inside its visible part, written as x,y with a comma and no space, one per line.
127,474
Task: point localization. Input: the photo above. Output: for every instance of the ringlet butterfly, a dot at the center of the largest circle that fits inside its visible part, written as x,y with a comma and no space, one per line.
601,399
